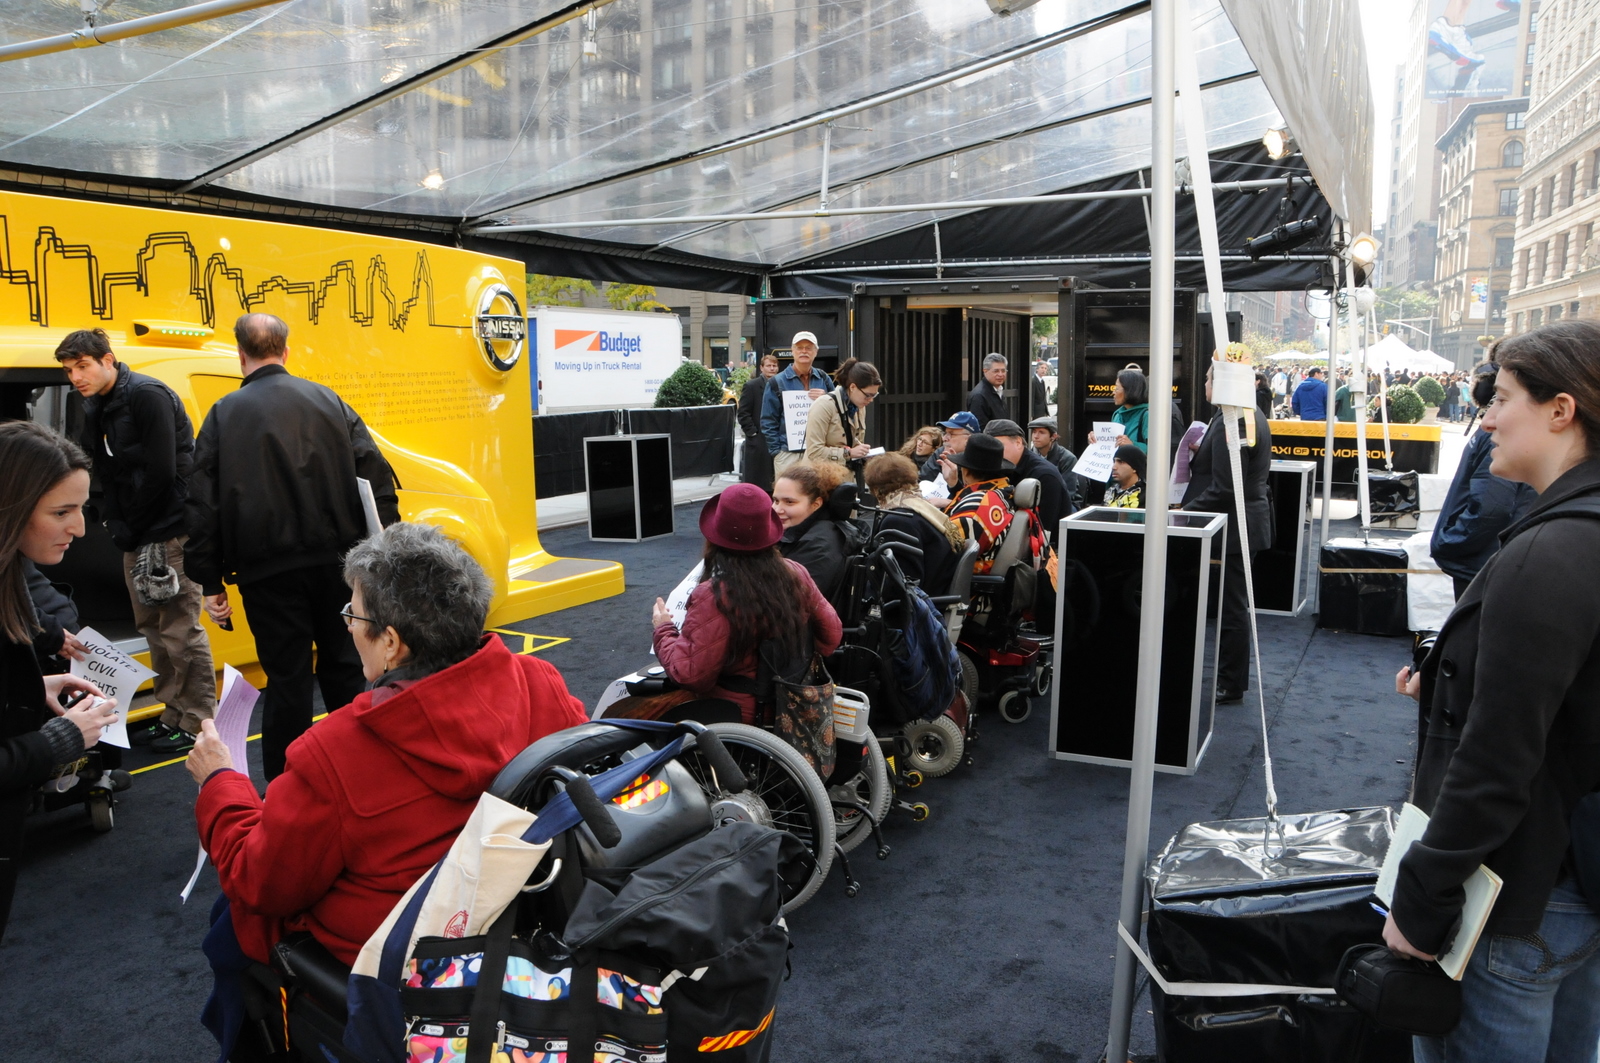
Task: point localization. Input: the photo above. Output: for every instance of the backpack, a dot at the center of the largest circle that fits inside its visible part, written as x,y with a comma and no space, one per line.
664,981
921,659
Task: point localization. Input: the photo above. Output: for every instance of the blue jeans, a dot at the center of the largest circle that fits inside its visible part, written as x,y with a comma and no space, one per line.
1533,999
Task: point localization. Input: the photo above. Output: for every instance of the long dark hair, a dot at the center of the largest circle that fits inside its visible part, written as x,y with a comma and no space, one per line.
762,596
854,371
33,459
1559,359
1135,390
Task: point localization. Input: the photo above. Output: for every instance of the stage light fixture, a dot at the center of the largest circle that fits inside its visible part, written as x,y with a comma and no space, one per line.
1363,250
1278,142
1284,237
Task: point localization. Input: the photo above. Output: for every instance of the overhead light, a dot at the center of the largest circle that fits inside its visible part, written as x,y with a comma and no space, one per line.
591,49
1289,235
1366,299
434,181
1278,143
1363,250
1009,7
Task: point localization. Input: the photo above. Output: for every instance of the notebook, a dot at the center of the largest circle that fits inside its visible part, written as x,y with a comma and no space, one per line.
1482,889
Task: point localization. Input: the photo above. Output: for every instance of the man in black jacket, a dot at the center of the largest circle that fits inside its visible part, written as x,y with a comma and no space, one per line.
274,506
1038,393
1047,444
138,436
988,400
1054,496
1211,491
755,463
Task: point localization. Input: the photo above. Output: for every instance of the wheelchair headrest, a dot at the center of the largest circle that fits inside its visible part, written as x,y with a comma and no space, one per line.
842,503
1026,494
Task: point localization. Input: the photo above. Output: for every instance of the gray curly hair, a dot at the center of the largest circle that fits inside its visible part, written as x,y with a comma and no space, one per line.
415,579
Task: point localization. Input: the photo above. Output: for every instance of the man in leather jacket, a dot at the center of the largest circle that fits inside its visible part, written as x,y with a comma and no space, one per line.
273,507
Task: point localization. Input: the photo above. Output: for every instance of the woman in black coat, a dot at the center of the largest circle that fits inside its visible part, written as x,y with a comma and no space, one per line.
1509,704
1210,490
811,537
44,482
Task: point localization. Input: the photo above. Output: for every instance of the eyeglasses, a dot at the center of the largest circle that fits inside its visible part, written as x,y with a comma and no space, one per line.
351,618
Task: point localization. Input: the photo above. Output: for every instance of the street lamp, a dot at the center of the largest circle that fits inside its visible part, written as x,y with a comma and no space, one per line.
1428,335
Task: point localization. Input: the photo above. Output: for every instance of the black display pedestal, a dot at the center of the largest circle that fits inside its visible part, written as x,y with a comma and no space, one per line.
1279,572
1363,587
629,482
1092,702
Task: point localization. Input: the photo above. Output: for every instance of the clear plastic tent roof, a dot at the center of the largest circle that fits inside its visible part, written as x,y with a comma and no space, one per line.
644,108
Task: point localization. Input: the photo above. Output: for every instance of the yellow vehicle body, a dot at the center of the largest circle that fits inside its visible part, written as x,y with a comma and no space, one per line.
393,326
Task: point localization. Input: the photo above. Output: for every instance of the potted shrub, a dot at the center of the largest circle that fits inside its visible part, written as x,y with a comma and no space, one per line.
1404,406
691,384
1431,392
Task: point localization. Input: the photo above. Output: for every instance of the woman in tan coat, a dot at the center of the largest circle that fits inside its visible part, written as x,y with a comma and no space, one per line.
836,430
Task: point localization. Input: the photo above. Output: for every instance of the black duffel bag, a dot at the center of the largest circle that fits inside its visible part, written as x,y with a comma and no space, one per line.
1398,992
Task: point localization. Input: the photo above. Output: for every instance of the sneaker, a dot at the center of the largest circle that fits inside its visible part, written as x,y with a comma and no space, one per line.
174,742
1453,42
147,733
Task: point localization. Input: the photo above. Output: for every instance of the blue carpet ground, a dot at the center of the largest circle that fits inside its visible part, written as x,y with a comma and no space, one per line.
987,935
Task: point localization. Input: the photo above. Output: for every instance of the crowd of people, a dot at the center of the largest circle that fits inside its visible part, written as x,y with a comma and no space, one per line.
1290,391
388,621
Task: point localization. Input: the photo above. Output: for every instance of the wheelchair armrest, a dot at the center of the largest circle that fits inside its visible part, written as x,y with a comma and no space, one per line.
945,599
314,970
988,581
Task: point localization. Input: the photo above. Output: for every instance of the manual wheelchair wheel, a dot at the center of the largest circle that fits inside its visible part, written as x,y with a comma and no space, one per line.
869,787
782,792
937,745
1015,706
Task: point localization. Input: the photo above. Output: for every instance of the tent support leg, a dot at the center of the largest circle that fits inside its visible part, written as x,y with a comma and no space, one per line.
1328,416
1163,33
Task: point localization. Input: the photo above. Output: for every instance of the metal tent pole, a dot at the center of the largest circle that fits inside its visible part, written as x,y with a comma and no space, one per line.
1328,415
1163,35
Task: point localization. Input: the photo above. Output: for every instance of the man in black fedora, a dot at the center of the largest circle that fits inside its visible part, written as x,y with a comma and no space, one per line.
982,504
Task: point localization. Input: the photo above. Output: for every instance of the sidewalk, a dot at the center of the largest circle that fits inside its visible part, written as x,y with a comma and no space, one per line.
564,511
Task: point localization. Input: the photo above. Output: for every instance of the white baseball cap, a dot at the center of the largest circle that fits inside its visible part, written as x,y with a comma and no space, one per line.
798,336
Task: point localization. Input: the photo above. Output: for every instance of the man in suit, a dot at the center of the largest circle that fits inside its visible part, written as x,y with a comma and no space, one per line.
1038,394
1211,491
755,461
988,400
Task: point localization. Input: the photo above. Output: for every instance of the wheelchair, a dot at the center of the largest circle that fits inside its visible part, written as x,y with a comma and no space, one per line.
832,817
1005,660
298,1005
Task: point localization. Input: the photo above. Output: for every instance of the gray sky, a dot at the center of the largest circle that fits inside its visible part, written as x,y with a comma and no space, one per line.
1383,23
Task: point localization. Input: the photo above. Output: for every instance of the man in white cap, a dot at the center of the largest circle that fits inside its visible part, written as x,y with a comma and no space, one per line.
797,377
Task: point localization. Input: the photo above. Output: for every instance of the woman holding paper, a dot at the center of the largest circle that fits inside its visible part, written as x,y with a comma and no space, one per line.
1510,732
836,428
373,796
44,482
1131,393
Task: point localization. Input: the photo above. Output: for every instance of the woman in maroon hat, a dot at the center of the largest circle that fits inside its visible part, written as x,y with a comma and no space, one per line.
747,594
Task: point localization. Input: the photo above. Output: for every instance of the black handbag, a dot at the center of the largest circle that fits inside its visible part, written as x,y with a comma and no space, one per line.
1398,992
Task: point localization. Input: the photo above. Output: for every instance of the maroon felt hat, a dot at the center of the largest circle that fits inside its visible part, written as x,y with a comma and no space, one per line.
741,518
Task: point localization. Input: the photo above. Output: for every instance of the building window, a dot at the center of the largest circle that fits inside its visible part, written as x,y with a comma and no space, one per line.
1532,201
1553,314
1516,119
1508,202
1502,251
1516,322
1529,59
1572,185
1511,154
1497,306
1549,197
1527,84
1525,277
1573,308
1535,318
1560,261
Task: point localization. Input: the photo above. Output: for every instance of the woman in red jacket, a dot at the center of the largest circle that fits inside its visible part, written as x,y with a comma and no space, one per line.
373,796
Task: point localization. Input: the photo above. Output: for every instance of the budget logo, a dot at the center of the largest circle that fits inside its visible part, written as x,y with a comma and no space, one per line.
576,340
